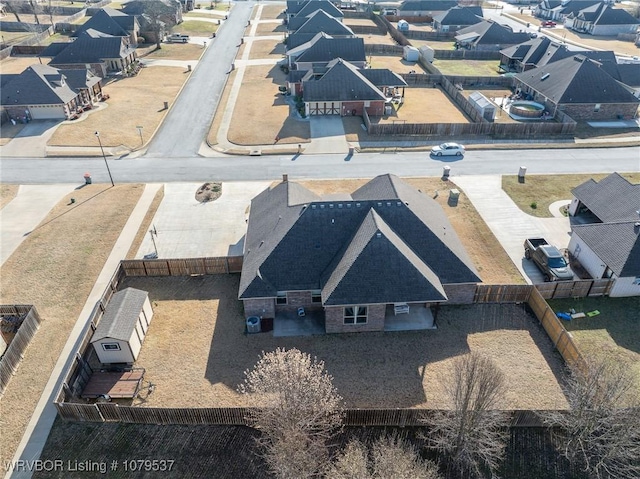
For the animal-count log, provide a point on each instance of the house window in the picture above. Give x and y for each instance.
(316, 297)
(596, 108)
(355, 315)
(110, 346)
(281, 298)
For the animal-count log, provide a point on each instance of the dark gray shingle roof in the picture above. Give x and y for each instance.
(613, 16)
(613, 198)
(427, 5)
(121, 315)
(325, 49)
(38, 85)
(459, 16)
(341, 82)
(616, 244)
(490, 32)
(108, 20)
(320, 21)
(92, 48)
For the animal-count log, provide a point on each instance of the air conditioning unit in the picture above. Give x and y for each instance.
(253, 324)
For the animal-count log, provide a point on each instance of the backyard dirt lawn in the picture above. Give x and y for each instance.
(366, 22)
(271, 28)
(395, 64)
(200, 321)
(377, 39)
(55, 269)
(261, 105)
(546, 189)
(467, 67)
(485, 251)
(7, 193)
(19, 64)
(424, 105)
(273, 49)
(136, 101)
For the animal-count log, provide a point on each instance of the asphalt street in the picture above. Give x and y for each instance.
(360, 165)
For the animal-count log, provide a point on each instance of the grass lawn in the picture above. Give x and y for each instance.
(196, 28)
(267, 49)
(440, 110)
(271, 29)
(19, 64)
(200, 320)
(171, 51)
(615, 332)
(213, 14)
(546, 189)
(270, 12)
(394, 63)
(262, 106)
(7, 193)
(136, 101)
(467, 67)
(55, 269)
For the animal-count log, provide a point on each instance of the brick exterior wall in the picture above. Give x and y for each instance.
(608, 111)
(264, 307)
(295, 299)
(334, 320)
(375, 108)
(460, 293)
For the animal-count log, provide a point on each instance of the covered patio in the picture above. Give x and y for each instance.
(419, 317)
(288, 323)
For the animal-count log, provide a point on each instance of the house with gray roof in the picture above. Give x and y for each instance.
(605, 237)
(296, 19)
(317, 22)
(42, 92)
(355, 261)
(456, 18)
(112, 22)
(558, 10)
(488, 36)
(425, 8)
(98, 52)
(602, 19)
(579, 87)
(120, 333)
(323, 48)
(341, 88)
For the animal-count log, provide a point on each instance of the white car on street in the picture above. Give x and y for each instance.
(448, 149)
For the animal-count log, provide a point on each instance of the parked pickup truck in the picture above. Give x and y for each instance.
(548, 259)
(177, 38)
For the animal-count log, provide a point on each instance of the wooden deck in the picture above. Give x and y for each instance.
(123, 384)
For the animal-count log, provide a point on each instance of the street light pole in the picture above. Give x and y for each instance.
(104, 157)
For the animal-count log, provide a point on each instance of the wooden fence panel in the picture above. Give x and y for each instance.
(600, 287)
(502, 293)
(79, 412)
(133, 267)
(157, 267)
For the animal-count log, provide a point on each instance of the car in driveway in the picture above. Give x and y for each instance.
(448, 149)
(548, 24)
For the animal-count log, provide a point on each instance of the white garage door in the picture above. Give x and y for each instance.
(324, 108)
(47, 112)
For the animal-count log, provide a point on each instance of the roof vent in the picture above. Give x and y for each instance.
(378, 235)
(313, 207)
(339, 205)
(357, 205)
(544, 77)
(330, 205)
(348, 205)
(321, 206)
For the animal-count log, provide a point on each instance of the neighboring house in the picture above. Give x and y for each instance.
(580, 88)
(112, 22)
(98, 52)
(42, 92)
(168, 12)
(602, 20)
(425, 8)
(558, 10)
(488, 36)
(355, 259)
(456, 18)
(318, 22)
(342, 89)
(541, 51)
(119, 335)
(609, 246)
(323, 48)
(297, 19)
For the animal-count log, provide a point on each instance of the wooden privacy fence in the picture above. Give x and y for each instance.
(182, 267)
(15, 351)
(381, 49)
(110, 412)
(502, 293)
(575, 289)
(555, 330)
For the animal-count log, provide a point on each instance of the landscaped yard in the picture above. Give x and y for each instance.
(136, 101)
(615, 332)
(424, 105)
(546, 189)
(196, 346)
(467, 67)
(55, 269)
(260, 104)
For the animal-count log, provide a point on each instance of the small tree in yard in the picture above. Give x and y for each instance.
(299, 410)
(389, 458)
(600, 434)
(471, 437)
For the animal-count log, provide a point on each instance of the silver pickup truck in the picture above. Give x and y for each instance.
(177, 38)
(548, 259)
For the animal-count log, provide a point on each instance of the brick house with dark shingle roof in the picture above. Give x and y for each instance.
(298, 18)
(456, 18)
(318, 22)
(609, 245)
(112, 22)
(351, 257)
(488, 36)
(603, 20)
(579, 87)
(324, 48)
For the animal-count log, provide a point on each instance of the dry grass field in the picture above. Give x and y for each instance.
(266, 49)
(196, 351)
(271, 28)
(366, 22)
(260, 104)
(425, 105)
(435, 44)
(467, 67)
(7, 193)
(270, 12)
(395, 64)
(146, 224)
(19, 64)
(55, 269)
(136, 101)
(171, 51)
(377, 39)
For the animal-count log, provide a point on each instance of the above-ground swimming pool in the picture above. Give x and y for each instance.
(526, 109)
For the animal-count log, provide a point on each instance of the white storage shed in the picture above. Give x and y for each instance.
(403, 26)
(411, 54)
(483, 105)
(123, 327)
(427, 53)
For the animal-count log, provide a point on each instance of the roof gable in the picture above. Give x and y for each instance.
(613, 198)
(341, 82)
(427, 5)
(321, 21)
(326, 49)
(313, 5)
(615, 16)
(38, 85)
(104, 20)
(91, 47)
(616, 244)
(458, 16)
(121, 315)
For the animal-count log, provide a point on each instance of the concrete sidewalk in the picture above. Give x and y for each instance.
(37, 431)
(25, 212)
(510, 225)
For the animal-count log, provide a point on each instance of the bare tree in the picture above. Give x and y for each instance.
(299, 410)
(12, 8)
(600, 433)
(389, 458)
(35, 8)
(473, 435)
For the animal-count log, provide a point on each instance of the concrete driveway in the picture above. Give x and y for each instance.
(327, 135)
(510, 225)
(32, 140)
(190, 229)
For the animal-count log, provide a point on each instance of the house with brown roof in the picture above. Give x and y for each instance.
(605, 239)
(356, 261)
